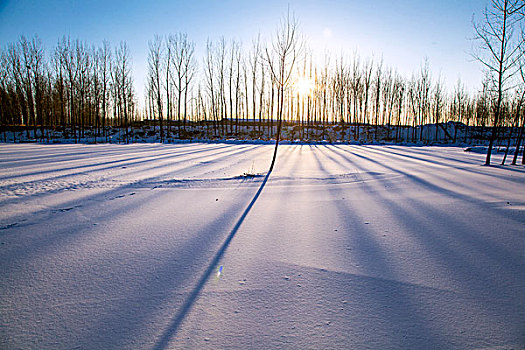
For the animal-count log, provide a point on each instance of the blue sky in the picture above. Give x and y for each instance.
(403, 32)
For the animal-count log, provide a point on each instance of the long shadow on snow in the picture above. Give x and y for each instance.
(415, 179)
(285, 154)
(86, 202)
(43, 241)
(451, 243)
(167, 284)
(171, 331)
(414, 159)
(144, 182)
(428, 152)
(74, 153)
(421, 150)
(110, 164)
(474, 184)
(144, 299)
(290, 161)
(401, 314)
(468, 239)
(388, 156)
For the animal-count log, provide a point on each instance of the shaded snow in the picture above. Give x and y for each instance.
(118, 247)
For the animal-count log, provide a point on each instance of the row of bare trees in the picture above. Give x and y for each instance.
(356, 92)
(171, 70)
(80, 86)
(75, 87)
(251, 93)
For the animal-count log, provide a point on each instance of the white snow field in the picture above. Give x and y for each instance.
(150, 246)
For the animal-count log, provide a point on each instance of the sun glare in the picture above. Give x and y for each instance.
(304, 86)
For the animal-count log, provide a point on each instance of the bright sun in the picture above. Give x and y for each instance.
(304, 86)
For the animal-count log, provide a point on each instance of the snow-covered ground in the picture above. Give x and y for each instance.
(150, 246)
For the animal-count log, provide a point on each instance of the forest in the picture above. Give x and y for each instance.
(235, 92)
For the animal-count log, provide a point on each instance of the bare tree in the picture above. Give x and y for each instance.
(356, 88)
(387, 97)
(209, 73)
(26, 66)
(261, 94)
(399, 89)
(323, 85)
(5, 109)
(378, 81)
(231, 74)
(438, 102)
(516, 110)
(238, 88)
(459, 106)
(254, 62)
(499, 51)
(59, 87)
(246, 89)
(96, 87)
(423, 85)
(155, 76)
(221, 80)
(367, 84)
(184, 65)
(412, 97)
(340, 87)
(70, 67)
(38, 72)
(83, 64)
(281, 58)
(167, 84)
(123, 87)
(190, 68)
(104, 72)
(521, 131)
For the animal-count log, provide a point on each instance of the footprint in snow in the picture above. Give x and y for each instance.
(63, 210)
(8, 226)
(123, 195)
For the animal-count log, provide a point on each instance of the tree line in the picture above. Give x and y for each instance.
(74, 87)
(237, 92)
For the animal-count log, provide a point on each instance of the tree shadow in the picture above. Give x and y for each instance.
(394, 300)
(50, 155)
(418, 180)
(177, 320)
(143, 169)
(412, 212)
(429, 157)
(475, 266)
(113, 164)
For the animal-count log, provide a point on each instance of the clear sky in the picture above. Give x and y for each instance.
(403, 32)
